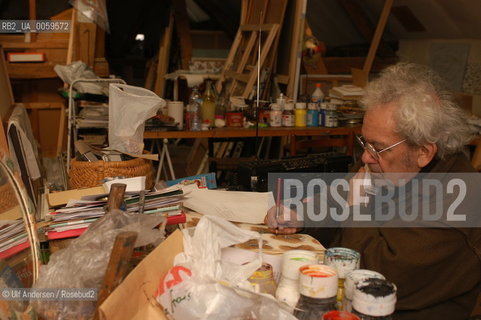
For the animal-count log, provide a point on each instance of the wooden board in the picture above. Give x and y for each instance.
(164, 54)
(6, 95)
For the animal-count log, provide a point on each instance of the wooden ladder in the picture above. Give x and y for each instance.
(240, 72)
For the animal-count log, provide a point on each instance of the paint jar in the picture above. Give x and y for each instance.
(288, 115)
(322, 114)
(234, 119)
(344, 260)
(352, 278)
(339, 315)
(301, 114)
(312, 115)
(263, 279)
(374, 299)
(318, 287)
(275, 116)
(292, 260)
(331, 117)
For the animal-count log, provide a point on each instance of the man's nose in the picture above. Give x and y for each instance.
(368, 158)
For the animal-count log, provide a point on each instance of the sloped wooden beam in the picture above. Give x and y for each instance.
(362, 23)
(183, 32)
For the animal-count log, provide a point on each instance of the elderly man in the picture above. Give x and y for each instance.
(412, 127)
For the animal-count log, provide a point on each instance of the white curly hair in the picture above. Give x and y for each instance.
(427, 112)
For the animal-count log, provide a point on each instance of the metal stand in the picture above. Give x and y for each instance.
(164, 154)
(72, 112)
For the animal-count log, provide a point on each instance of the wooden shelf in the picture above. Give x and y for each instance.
(251, 132)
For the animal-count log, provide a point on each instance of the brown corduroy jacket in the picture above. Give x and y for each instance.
(437, 270)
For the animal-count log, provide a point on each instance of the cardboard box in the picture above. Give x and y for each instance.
(133, 298)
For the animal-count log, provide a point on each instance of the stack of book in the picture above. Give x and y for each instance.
(13, 238)
(74, 218)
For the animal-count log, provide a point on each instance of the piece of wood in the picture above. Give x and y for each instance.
(360, 77)
(118, 267)
(163, 61)
(86, 42)
(296, 49)
(183, 32)
(116, 196)
(6, 94)
(32, 15)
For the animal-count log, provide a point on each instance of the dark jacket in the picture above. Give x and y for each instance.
(437, 270)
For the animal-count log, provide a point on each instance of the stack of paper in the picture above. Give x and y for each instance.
(347, 92)
(13, 238)
(73, 219)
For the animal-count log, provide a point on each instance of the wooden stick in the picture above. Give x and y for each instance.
(116, 196)
(377, 36)
(118, 267)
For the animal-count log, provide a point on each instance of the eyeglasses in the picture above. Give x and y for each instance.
(372, 151)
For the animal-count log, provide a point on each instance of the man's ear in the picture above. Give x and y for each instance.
(426, 153)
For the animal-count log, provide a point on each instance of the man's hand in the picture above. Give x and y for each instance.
(357, 188)
(280, 223)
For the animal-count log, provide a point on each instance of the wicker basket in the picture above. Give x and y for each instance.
(84, 174)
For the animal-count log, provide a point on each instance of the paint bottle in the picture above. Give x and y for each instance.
(344, 260)
(312, 115)
(263, 279)
(317, 96)
(275, 116)
(288, 115)
(339, 315)
(292, 260)
(374, 299)
(322, 114)
(331, 118)
(301, 114)
(352, 278)
(208, 104)
(318, 287)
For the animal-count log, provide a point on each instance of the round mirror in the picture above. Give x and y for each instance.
(19, 245)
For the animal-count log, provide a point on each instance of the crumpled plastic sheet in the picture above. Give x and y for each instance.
(79, 70)
(84, 262)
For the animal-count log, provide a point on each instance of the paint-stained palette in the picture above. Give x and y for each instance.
(271, 243)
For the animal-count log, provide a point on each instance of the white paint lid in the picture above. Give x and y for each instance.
(353, 277)
(374, 305)
(292, 260)
(318, 281)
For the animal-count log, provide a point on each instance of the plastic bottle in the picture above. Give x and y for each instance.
(318, 287)
(312, 115)
(275, 116)
(208, 104)
(193, 109)
(317, 96)
(301, 114)
(281, 101)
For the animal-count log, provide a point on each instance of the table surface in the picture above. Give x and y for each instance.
(231, 132)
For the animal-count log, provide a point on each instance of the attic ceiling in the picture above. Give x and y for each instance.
(439, 19)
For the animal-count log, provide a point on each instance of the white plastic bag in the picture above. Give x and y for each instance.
(129, 107)
(202, 286)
